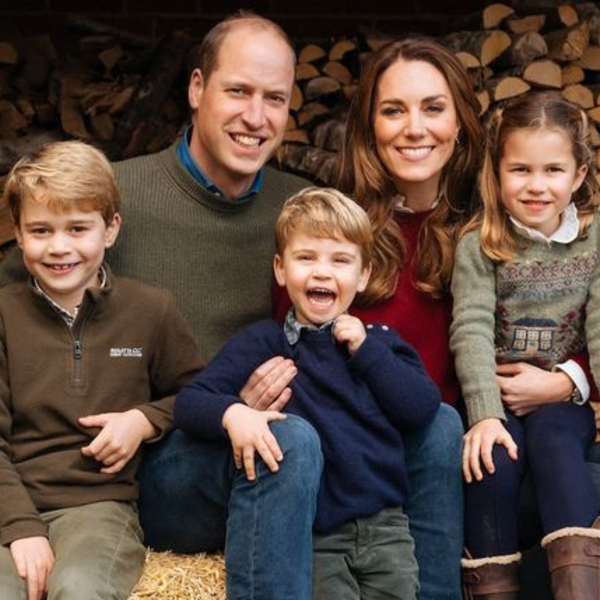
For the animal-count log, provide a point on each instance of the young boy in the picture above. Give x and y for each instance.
(89, 365)
(359, 387)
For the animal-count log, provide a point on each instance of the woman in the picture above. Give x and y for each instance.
(410, 159)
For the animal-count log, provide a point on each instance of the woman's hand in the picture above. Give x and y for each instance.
(478, 445)
(525, 388)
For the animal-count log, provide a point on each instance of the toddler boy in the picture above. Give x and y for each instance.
(89, 365)
(359, 387)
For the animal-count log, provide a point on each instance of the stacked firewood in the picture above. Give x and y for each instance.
(121, 91)
(126, 93)
(505, 54)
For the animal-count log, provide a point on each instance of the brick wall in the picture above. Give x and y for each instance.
(303, 19)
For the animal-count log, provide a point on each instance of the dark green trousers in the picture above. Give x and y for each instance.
(367, 559)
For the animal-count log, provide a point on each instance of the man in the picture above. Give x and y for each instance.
(199, 219)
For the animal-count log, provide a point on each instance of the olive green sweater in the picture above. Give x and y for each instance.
(128, 348)
(215, 255)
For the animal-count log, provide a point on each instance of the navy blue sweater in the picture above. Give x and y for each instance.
(359, 406)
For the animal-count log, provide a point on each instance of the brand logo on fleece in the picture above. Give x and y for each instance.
(126, 353)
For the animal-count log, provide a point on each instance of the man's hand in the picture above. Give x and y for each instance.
(478, 445)
(249, 432)
(349, 330)
(525, 388)
(34, 560)
(268, 387)
(121, 436)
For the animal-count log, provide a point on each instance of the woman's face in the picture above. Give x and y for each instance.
(415, 125)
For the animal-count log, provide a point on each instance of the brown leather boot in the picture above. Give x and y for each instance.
(574, 562)
(491, 578)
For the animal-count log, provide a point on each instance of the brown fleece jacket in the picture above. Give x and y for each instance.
(129, 348)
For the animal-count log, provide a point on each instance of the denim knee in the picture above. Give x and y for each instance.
(440, 443)
(301, 447)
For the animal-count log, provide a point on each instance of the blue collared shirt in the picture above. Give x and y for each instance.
(293, 328)
(189, 162)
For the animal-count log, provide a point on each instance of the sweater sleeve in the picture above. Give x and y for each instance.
(18, 515)
(397, 378)
(472, 330)
(592, 323)
(201, 404)
(175, 361)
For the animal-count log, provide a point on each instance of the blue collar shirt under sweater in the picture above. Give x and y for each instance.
(359, 406)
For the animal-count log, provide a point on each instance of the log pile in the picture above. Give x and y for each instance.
(121, 91)
(127, 93)
(505, 53)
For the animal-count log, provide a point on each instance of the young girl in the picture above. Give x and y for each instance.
(523, 287)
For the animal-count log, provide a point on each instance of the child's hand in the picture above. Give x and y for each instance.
(249, 432)
(349, 330)
(34, 560)
(478, 444)
(121, 436)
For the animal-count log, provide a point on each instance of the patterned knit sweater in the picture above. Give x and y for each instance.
(532, 309)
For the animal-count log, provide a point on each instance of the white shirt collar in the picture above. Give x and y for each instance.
(399, 201)
(567, 231)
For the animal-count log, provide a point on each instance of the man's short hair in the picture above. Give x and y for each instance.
(325, 213)
(206, 57)
(64, 175)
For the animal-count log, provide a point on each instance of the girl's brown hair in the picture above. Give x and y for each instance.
(362, 174)
(532, 111)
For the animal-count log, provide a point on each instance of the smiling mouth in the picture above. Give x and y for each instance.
(536, 202)
(416, 153)
(321, 296)
(61, 268)
(246, 141)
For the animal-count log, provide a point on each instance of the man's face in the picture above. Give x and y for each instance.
(241, 112)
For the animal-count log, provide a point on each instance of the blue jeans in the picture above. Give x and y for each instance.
(435, 504)
(193, 499)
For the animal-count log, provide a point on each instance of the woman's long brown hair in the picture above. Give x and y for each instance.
(362, 174)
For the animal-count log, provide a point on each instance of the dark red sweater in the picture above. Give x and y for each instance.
(420, 319)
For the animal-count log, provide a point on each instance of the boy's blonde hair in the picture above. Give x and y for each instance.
(325, 213)
(64, 175)
(532, 111)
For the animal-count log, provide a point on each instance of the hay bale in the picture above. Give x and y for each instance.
(169, 576)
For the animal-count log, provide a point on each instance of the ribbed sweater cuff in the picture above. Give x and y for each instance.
(485, 406)
(23, 529)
